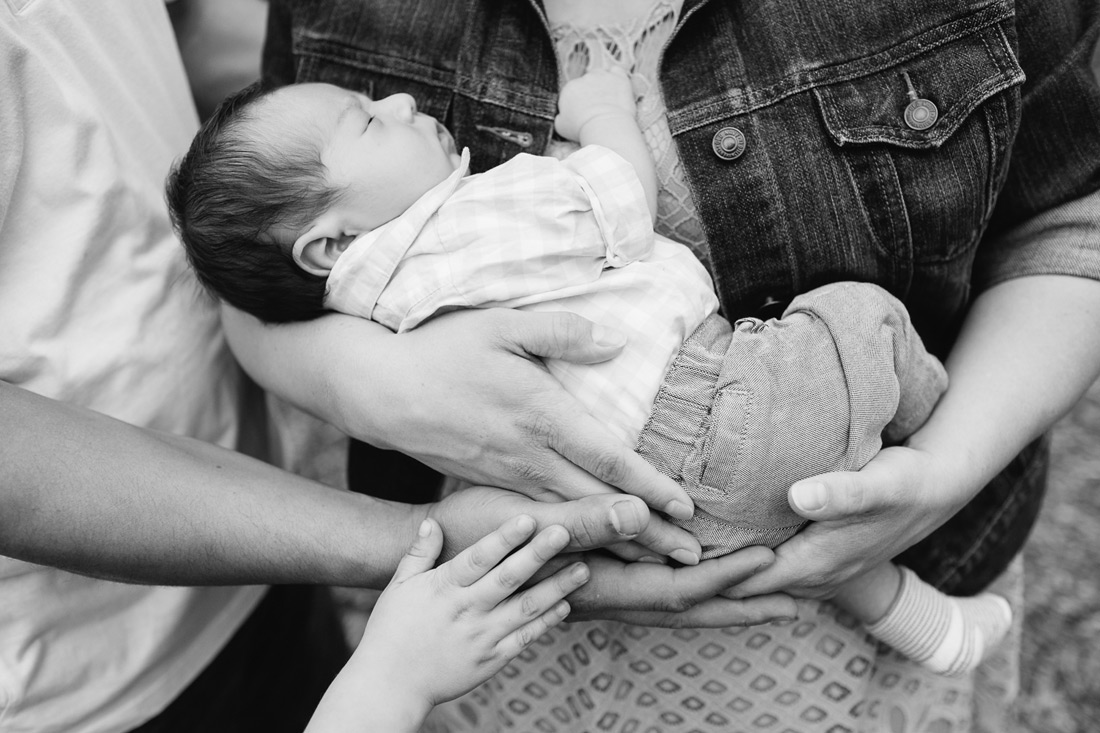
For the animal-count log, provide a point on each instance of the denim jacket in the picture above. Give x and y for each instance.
(895, 142)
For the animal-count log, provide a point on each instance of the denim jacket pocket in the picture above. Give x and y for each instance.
(925, 123)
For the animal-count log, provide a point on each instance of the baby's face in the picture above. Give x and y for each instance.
(382, 153)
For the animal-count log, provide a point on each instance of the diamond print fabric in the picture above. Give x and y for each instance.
(818, 674)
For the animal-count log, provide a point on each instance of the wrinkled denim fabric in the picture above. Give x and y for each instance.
(747, 410)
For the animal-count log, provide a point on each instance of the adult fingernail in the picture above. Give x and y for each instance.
(604, 336)
(650, 559)
(685, 557)
(679, 509)
(809, 497)
(626, 519)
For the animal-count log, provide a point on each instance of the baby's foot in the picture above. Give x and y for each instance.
(950, 636)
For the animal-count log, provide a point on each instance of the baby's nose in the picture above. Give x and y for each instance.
(404, 106)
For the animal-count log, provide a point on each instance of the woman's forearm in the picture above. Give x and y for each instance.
(96, 496)
(304, 363)
(1030, 347)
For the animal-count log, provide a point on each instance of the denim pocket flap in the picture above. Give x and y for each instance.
(955, 77)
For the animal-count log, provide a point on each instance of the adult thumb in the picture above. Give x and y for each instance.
(422, 554)
(568, 337)
(596, 521)
(832, 496)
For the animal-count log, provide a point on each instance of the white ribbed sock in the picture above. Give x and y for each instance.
(948, 635)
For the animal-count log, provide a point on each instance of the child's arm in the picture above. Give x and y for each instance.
(598, 109)
(436, 634)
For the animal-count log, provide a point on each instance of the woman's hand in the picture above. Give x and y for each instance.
(648, 594)
(1004, 392)
(643, 593)
(467, 393)
(858, 520)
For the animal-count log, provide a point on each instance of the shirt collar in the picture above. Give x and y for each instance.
(364, 269)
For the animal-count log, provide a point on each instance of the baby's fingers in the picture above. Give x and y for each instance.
(422, 554)
(475, 561)
(506, 578)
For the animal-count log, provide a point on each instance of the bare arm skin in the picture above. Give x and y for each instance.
(96, 496)
(599, 109)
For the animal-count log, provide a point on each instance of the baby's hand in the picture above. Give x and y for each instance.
(436, 634)
(596, 94)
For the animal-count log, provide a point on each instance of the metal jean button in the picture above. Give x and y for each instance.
(920, 113)
(728, 143)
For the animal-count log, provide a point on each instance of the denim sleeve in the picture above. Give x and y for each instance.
(1047, 217)
(1062, 241)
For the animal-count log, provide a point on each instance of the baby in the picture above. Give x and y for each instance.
(310, 198)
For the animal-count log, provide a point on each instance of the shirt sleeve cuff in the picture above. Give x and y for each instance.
(1062, 241)
(618, 202)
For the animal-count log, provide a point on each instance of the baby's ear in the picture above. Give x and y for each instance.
(317, 250)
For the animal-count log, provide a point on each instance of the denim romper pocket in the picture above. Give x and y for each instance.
(720, 450)
(758, 436)
(953, 149)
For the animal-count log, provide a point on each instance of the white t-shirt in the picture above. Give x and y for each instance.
(98, 309)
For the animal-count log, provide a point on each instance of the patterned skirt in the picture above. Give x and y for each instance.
(820, 672)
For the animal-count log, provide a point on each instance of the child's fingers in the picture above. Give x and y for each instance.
(475, 561)
(505, 579)
(522, 637)
(533, 602)
(423, 552)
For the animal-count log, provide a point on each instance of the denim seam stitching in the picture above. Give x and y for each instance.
(709, 110)
(749, 403)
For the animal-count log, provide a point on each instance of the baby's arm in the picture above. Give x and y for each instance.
(436, 634)
(598, 109)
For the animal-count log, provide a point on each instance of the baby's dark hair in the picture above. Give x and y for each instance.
(225, 197)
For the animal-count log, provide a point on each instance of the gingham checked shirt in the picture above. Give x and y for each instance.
(540, 234)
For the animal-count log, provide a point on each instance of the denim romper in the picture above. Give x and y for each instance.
(747, 410)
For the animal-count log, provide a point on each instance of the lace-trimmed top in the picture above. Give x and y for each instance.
(635, 44)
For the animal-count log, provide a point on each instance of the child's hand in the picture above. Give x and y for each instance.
(436, 634)
(596, 94)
